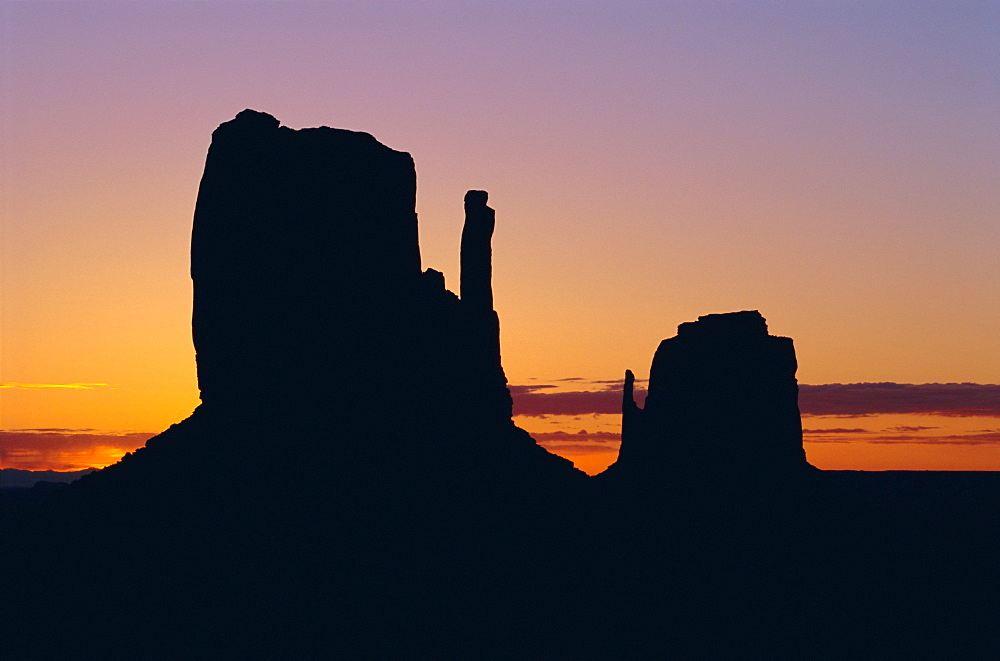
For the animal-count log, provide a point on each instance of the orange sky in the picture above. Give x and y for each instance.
(831, 165)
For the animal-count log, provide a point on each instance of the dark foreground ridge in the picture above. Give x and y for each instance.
(417, 520)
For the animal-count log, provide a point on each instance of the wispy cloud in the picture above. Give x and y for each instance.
(972, 438)
(66, 386)
(836, 430)
(951, 439)
(62, 430)
(517, 391)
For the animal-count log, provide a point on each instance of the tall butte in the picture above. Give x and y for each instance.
(310, 305)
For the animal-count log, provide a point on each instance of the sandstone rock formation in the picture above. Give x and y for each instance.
(477, 258)
(309, 297)
(722, 403)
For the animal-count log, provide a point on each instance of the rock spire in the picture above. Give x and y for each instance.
(477, 270)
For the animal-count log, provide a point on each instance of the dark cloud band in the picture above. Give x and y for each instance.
(836, 399)
(861, 399)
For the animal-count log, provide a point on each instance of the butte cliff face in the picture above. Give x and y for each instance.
(304, 249)
(722, 403)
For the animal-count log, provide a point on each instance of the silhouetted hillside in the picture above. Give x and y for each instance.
(413, 519)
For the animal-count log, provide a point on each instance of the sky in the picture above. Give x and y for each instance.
(833, 165)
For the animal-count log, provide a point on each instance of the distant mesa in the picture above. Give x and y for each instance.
(15, 478)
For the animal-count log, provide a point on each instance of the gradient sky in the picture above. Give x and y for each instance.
(831, 164)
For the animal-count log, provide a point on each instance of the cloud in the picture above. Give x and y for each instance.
(582, 442)
(531, 403)
(53, 429)
(837, 430)
(616, 382)
(990, 438)
(66, 450)
(980, 438)
(908, 428)
(865, 399)
(42, 386)
(518, 391)
(583, 434)
(851, 400)
(579, 448)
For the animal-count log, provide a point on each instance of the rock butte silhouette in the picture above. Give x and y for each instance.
(353, 484)
(722, 363)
